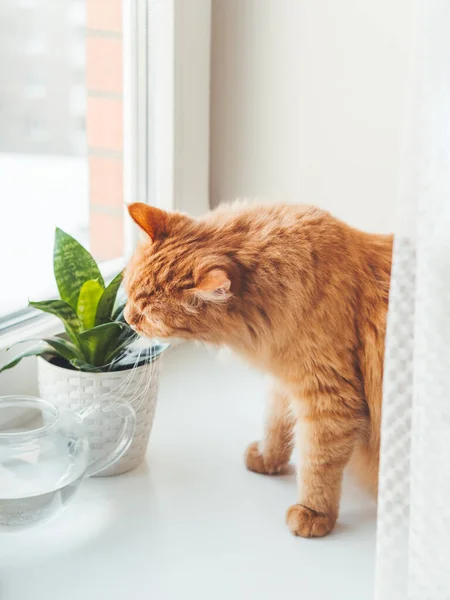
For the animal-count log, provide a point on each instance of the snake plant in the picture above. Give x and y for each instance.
(96, 334)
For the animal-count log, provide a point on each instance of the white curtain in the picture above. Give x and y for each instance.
(413, 539)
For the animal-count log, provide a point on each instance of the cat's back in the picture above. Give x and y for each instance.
(263, 214)
(266, 228)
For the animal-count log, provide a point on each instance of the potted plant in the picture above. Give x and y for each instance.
(95, 362)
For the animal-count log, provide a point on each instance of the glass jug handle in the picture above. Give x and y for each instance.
(124, 440)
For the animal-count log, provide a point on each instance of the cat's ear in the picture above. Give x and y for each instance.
(150, 219)
(214, 286)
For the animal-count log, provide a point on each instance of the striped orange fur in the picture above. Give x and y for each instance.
(303, 297)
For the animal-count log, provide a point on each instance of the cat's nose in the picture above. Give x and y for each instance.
(131, 316)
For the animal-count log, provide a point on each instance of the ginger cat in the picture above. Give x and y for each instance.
(303, 297)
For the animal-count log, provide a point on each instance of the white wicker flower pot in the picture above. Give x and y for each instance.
(74, 390)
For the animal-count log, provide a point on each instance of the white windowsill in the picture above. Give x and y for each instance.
(191, 522)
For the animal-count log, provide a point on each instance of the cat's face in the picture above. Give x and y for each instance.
(178, 285)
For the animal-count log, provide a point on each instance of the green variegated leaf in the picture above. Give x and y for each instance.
(118, 314)
(36, 351)
(120, 347)
(80, 365)
(64, 312)
(143, 355)
(106, 303)
(73, 266)
(88, 300)
(100, 342)
(63, 347)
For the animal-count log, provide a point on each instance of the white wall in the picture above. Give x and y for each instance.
(307, 103)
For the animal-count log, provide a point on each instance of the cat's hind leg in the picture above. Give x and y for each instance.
(272, 454)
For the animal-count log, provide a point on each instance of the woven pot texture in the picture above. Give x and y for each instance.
(75, 390)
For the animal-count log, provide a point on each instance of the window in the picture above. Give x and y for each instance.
(37, 129)
(76, 12)
(62, 142)
(35, 45)
(35, 91)
(78, 98)
(77, 52)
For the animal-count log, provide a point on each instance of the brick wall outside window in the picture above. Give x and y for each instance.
(104, 124)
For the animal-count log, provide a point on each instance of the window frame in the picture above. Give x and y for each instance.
(166, 95)
(17, 325)
(179, 57)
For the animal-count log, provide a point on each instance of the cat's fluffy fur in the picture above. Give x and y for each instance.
(303, 297)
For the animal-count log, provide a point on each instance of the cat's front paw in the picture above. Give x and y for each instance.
(256, 462)
(306, 522)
